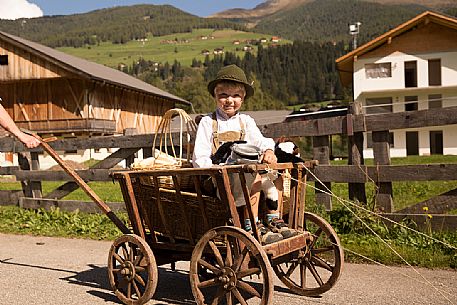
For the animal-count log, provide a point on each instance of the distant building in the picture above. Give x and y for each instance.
(263, 40)
(218, 51)
(275, 39)
(205, 52)
(247, 48)
(412, 67)
(236, 42)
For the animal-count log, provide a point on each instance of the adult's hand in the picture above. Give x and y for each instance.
(28, 140)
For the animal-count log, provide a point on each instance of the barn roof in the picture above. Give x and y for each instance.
(345, 63)
(87, 69)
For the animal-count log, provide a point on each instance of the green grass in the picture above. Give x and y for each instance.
(428, 254)
(15, 220)
(187, 47)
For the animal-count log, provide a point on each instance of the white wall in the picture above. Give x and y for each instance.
(397, 81)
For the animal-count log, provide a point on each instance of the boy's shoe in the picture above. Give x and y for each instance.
(267, 236)
(279, 226)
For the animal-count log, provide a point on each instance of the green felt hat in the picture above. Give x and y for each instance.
(231, 73)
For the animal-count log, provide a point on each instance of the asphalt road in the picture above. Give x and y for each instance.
(43, 270)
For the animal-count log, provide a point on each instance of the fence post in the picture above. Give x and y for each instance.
(382, 157)
(130, 159)
(321, 152)
(355, 152)
(29, 161)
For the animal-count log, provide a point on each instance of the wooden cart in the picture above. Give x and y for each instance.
(227, 264)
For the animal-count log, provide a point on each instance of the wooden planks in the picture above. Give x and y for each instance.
(361, 122)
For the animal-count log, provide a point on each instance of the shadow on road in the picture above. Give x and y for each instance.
(173, 286)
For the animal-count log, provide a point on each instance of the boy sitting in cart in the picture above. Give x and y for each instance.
(230, 88)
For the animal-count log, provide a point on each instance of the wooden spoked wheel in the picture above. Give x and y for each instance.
(236, 269)
(132, 270)
(315, 268)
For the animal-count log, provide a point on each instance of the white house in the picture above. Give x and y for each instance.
(412, 67)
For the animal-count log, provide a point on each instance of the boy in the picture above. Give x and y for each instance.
(230, 88)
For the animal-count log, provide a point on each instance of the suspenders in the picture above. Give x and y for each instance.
(226, 136)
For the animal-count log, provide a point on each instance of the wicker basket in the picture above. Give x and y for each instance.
(163, 137)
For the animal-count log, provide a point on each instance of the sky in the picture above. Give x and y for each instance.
(14, 9)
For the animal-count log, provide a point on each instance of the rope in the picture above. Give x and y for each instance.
(377, 235)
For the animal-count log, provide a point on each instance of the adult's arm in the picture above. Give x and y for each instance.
(7, 122)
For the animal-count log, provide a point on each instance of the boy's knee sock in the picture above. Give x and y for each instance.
(272, 216)
(248, 225)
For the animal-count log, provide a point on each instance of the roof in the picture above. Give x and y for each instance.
(261, 117)
(345, 63)
(87, 69)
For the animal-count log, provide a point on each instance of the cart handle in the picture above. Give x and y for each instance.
(67, 168)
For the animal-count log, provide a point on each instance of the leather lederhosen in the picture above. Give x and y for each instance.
(221, 137)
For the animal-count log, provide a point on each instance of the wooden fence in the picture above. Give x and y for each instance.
(355, 174)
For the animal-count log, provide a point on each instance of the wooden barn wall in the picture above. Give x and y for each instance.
(427, 38)
(38, 100)
(23, 65)
(129, 109)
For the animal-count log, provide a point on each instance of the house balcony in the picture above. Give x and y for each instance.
(66, 126)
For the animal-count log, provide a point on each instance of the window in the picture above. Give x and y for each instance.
(434, 72)
(378, 105)
(435, 101)
(411, 103)
(370, 140)
(3, 60)
(410, 74)
(380, 70)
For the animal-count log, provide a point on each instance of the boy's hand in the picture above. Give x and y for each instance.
(269, 157)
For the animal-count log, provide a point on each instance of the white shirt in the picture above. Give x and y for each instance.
(204, 138)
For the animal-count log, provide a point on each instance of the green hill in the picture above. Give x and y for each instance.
(183, 47)
(118, 25)
(328, 20)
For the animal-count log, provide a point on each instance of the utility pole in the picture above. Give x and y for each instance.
(354, 31)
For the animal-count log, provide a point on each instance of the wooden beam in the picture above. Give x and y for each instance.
(68, 205)
(321, 152)
(355, 153)
(381, 152)
(107, 163)
(361, 123)
(385, 173)
(51, 175)
(142, 140)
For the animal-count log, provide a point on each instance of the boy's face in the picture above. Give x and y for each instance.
(229, 98)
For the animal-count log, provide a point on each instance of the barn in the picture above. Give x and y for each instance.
(53, 93)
